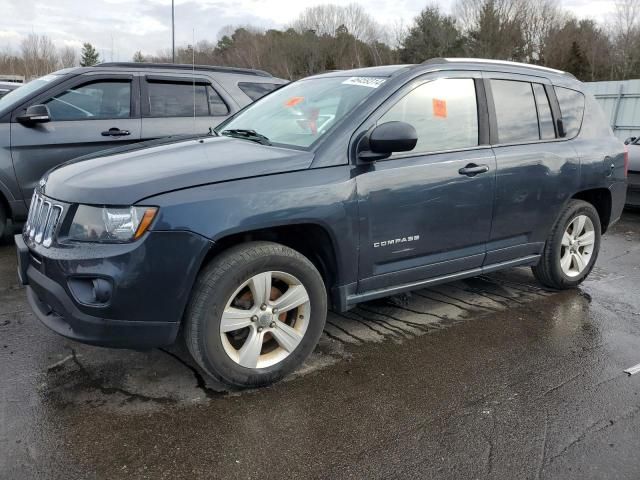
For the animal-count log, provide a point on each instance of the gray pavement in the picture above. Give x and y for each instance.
(491, 377)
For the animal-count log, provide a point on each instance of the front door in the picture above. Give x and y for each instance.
(87, 114)
(427, 213)
(174, 105)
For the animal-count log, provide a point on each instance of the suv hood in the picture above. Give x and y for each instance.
(127, 175)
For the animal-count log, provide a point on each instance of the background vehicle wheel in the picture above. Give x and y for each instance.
(256, 313)
(572, 247)
(6, 227)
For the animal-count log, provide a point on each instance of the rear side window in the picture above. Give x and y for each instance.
(545, 119)
(515, 111)
(257, 90)
(571, 109)
(444, 113)
(167, 99)
(92, 101)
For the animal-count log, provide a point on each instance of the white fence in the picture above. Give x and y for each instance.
(621, 103)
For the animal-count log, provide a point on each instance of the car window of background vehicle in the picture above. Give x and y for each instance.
(92, 101)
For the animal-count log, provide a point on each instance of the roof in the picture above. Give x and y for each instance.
(185, 66)
(379, 71)
(504, 63)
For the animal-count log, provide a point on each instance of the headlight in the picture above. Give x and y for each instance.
(107, 224)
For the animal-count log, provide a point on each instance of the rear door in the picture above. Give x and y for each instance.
(537, 171)
(421, 215)
(88, 113)
(181, 105)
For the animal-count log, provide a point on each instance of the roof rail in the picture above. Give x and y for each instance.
(186, 66)
(486, 61)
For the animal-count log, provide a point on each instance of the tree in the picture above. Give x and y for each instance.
(495, 28)
(39, 55)
(138, 57)
(89, 55)
(433, 34)
(625, 35)
(68, 57)
(581, 48)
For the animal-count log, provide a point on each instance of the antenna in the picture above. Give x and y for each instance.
(193, 75)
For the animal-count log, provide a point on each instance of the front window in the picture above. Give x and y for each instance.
(92, 101)
(301, 113)
(16, 96)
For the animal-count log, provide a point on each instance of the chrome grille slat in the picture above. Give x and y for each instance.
(43, 220)
(42, 223)
(52, 224)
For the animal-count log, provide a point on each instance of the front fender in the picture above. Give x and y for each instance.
(324, 197)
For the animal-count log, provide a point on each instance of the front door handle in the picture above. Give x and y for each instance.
(472, 170)
(116, 132)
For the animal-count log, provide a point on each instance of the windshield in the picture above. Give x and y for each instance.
(17, 95)
(301, 113)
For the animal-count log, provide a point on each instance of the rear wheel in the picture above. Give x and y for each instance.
(256, 313)
(572, 247)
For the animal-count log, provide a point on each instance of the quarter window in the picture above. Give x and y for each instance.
(571, 109)
(92, 101)
(545, 119)
(515, 111)
(444, 113)
(168, 99)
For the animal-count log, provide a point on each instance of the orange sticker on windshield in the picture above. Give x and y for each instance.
(439, 108)
(293, 101)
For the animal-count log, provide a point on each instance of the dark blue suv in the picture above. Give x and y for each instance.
(334, 190)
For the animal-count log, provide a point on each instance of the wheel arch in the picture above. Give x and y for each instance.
(601, 200)
(313, 240)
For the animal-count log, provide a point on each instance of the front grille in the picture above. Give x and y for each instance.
(43, 220)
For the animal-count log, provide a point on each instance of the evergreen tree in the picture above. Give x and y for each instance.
(89, 55)
(433, 34)
(138, 57)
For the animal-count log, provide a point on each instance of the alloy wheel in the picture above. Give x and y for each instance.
(577, 246)
(265, 319)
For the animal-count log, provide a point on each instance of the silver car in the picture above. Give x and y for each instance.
(633, 186)
(77, 111)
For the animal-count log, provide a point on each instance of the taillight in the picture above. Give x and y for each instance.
(626, 160)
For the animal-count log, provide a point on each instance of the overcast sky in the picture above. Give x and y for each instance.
(120, 27)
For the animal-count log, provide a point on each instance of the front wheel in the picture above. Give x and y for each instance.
(572, 247)
(256, 313)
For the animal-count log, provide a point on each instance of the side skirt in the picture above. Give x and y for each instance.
(347, 298)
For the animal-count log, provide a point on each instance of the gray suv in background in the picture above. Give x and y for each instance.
(77, 111)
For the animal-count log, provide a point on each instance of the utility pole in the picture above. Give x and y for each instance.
(173, 33)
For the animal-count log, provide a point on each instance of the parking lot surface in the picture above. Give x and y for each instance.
(491, 377)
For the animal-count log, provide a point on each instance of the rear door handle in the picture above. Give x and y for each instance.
(115, 132)
(472, 170)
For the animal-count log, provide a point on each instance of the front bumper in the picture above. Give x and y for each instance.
(150, 282)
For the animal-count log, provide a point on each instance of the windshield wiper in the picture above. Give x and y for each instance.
(247, 134)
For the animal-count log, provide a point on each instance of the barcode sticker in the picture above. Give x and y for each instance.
(371, 82)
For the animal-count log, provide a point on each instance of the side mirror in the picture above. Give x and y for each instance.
(35, 114)
(389, 138)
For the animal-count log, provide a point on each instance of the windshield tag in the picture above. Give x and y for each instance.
(371, 82)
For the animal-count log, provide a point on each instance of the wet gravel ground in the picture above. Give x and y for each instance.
(491, 377)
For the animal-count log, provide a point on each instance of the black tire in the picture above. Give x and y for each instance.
(6, 227)
(213, 289)
(549, 272)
